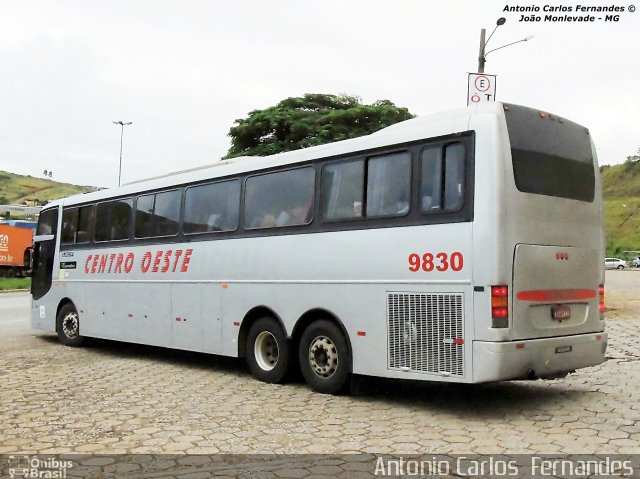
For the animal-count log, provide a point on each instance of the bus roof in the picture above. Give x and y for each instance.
(433, 125)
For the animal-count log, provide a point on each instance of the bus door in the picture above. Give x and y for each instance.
(44, 250)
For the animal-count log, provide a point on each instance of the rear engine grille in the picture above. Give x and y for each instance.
(425, 332)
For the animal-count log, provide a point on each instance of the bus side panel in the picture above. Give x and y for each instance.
(157, 308)
(331, 271)
(490, 263)
(139, 315)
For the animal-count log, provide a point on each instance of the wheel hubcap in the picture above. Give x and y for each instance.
(323, 357)
(70, 325)
(265, 350)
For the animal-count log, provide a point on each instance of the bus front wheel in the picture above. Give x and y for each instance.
(68, 326)
(268, 351)
(325, 360)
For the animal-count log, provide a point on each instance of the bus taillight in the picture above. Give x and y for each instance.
(500, 306)
(601, 296)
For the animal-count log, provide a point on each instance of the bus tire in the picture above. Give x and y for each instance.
(268, 351)
(325, 359)
(68, 326)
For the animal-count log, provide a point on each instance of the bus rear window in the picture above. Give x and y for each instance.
(551, 156)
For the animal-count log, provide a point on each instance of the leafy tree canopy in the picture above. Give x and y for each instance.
(313, 119)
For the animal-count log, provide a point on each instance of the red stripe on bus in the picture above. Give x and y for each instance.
(556, 295)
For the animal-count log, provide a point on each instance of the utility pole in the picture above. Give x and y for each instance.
(481, 56)
(122, 125)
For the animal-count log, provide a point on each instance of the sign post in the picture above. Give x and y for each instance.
(481, 87)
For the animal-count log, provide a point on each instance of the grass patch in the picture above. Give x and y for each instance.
(14, 283)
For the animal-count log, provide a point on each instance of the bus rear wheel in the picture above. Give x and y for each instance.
(325, 359)
(268, 354)
(68, 326)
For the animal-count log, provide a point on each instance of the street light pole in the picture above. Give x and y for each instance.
(122, 125)
(482, 56)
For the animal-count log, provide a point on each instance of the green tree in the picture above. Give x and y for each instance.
(313, 119)
(633, 158)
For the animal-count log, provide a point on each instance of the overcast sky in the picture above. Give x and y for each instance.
(183, 71)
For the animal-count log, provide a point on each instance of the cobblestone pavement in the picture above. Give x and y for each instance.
(114, 398)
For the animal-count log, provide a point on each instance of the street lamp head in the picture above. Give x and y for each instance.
(500, 21)
(528, 37)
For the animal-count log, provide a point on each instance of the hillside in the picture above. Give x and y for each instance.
(621, 192)
(19, 189)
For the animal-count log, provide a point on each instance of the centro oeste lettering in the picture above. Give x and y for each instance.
(160, 261)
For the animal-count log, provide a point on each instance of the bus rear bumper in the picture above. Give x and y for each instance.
(537, 358)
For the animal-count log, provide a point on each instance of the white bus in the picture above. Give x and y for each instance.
(465, 246)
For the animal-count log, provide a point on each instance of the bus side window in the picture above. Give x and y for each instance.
(167, 213)
(121, 217)
(342, 190)
(431, 181)
(144, 216)
(454, 176)
(113, 219)
(69, 225)
(442, 181)
(389, 185)
(158, 214)
(212, 207)
(85, 221)
(284, 198)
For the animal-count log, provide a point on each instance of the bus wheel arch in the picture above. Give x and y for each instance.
(263, 342)
(323, 334)
(68, 324)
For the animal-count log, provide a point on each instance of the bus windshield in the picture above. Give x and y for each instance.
(551, 156)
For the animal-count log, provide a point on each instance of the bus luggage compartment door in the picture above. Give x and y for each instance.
(555, 291)
(195, 317)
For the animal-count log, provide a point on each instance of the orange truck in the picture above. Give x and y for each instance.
(16, 246)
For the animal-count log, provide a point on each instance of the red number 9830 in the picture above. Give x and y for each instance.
(440, 262)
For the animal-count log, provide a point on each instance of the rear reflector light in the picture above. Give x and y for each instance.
(500, 306)
(601, 299)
